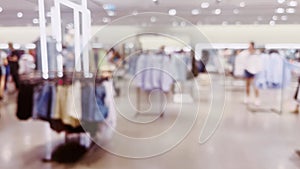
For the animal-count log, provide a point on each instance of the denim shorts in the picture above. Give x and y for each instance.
(249, 75)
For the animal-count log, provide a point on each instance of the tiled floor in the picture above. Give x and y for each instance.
(243, 140)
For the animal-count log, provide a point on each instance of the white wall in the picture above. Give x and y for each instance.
(261, 34)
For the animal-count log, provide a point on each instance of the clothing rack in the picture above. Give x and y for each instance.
(67, 79)
(146, 67)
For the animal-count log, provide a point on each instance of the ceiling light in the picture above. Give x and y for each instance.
(218, 11)
(293, 3)
(272, 23)
(155, 2)
(275, 17)
(279, 10)
(153, 19)
(280, 1)
(19, 14)
(16, 46)
(134, 12)
(30, 46)
(243, 4)
(204, 5)
(1, 9)
(172, 12)
(290, 10)
(109, 7)
(111, 13)
(284, 17)
(106, 20)
(35, 21)
(195, 12)
(236, 11)
(3, 46)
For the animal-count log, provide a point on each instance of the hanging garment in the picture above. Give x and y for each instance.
(166, 79)
(144, 70)
(44, 101)
(61, 108)
(93, 107)
(74, 107)
(179, 67)
(25, 102)
(276, 73)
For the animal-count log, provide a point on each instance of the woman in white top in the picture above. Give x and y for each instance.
(253, 65)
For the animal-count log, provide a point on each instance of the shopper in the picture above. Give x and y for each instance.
(3, 63)
(13, 59)
(253, 65)
(26, 63)
(115, 57)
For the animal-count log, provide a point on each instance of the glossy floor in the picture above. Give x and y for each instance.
(243, 140)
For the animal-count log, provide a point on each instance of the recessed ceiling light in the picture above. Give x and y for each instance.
(272, 23)
(284, 17)
(19, 14)
(153, 19)
(275, 17)
(279, 10)
(236, 11)
(106, 20)
(218, 11)
(293, 3)
(1, 9)
(243, 4)
(35, 21)
(290, 10)
(172, 12)
(204, 5)
(155, 1)
(195, 12)
(134, 12)
(111, 13)
(280, 1)
(109, 7)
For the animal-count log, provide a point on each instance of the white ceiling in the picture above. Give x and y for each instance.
(255, 11)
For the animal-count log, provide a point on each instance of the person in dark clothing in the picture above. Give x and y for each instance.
(13, 59)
